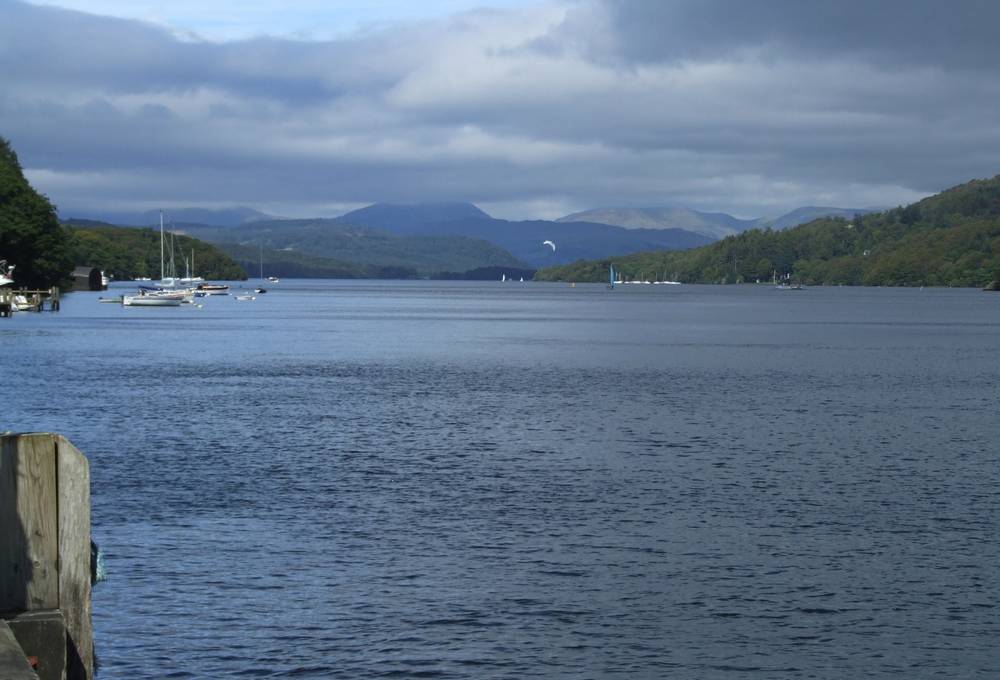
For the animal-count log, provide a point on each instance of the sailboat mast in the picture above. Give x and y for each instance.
(261, 261)
(161, 245)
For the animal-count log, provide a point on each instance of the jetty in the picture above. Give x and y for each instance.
(45, 559)
(27, 300)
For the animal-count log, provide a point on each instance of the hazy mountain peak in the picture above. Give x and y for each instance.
(713, 225)
(389, 215)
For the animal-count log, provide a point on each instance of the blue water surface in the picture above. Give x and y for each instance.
(484, 480)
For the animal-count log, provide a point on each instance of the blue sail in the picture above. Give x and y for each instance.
(611, 276)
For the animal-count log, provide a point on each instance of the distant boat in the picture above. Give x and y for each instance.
(213, 288)
(785, 284)
(189, 267)
(271, 279)
(150, 301)
(611, 276)
(23, 304)
(165, 281)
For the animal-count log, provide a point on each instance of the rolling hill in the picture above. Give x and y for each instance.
(523, 239)
(714, 225)
(950, 239)
(129, 253)
(355, 248)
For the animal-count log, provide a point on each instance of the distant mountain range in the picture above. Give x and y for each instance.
(523, 239)
(713, 225)
(327, 245)
(427, 239)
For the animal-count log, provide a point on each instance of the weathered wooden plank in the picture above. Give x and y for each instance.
(73, 472)
(13, 663)
(12, 550)
(29, 574)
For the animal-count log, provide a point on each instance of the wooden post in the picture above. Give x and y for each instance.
(73, 473)
(45, 554)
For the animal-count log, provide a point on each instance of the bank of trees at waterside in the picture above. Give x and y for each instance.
(130, 253)
(951, 239)
(31, 237)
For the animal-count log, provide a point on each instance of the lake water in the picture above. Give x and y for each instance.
(486, 480)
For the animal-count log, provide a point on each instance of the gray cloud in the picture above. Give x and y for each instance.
(747, 107)
(959, 34)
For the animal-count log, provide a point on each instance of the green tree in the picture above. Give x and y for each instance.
(31, 237)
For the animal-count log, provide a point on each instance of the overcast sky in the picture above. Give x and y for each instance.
(526, 108)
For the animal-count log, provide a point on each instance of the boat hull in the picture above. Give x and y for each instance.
(150, 301)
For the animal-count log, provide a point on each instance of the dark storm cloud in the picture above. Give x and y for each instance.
(750, 107)
(958, 34)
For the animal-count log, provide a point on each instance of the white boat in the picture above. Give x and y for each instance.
(165, 281)
(6, 273)
(274, 279)
(150, 301)
(182, 294)
(23, 304)
(189, 267)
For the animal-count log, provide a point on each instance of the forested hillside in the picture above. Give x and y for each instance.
(950, 239)
(129, 253)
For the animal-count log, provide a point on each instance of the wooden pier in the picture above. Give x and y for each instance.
(27, 300)
(45, 559)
